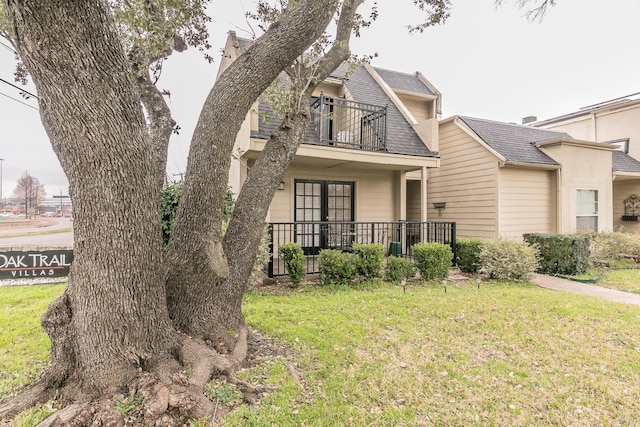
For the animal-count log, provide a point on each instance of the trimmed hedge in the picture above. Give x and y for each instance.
(507, 259)
(336, 267)
(561, 253)
(432, 259)
(369, 259)
(295, 262)
(614, 246)
(399, 268)
(468, 254)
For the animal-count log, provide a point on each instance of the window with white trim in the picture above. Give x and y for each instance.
(586, 210)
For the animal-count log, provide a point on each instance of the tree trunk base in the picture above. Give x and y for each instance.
(168, 394)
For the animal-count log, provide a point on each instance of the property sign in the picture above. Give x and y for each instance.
(30, 264)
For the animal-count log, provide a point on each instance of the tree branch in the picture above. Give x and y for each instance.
(161, 123)
(244, 232)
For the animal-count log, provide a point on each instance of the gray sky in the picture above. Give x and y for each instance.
(487, 62)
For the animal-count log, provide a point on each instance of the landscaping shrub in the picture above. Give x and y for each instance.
(168, 207)
(294, 261)
(399, 268)
(369, 259)
(605, 247)
(468, 254)
(560, 253)
(508, 259)
(169, 199)
(432, 259)
(336, 267)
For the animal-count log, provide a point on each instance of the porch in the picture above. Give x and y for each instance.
(397, 238)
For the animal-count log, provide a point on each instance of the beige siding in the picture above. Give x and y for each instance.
(413, 200)
(527, 201)
(583, 168)
(466, 181)
(622, 190)
(374, 192)
(420, 109)
(622, 121)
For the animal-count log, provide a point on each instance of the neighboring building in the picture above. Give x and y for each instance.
(373, 137)
(615, 122)
(500, 179)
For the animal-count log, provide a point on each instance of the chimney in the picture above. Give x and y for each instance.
(529, 119)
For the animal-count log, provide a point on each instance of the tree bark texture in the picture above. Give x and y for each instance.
(112, 318)
(161, 123)
(244, 232)
(197, 266)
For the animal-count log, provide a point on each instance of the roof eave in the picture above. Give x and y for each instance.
(469, 131)
(577, 143)
(531, 165)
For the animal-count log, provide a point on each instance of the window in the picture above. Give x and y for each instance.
(587, 210)
(324, 211)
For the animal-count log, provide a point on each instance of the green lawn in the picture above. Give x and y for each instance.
(504, 354)
(625, 277)
(23, 345)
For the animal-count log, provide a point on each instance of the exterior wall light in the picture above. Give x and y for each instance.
(281, 186)
(439, 206)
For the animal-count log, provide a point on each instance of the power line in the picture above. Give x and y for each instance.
(17, 100)
(19, 88)
(8, 47)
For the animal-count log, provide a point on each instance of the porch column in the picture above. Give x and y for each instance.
(401, 191)
(423, 194)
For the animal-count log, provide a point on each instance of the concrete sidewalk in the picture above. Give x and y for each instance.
(558, 284)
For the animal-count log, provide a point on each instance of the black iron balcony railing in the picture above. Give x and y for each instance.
(397, 238)
(343, 123)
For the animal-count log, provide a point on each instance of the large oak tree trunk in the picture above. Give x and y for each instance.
(197, 267)
(220, 317)
(112, 319)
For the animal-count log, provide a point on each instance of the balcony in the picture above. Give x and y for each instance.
(343, 123)
(397, 238)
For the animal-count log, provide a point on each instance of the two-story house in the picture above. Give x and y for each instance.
(615, 122)
(361, 172)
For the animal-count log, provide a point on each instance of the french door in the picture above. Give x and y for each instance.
(323, 213)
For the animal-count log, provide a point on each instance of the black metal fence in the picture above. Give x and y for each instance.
(397, 238)
(349, 124)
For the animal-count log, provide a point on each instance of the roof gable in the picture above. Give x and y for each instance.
(404, 82)
(401, 137)
(515, 143)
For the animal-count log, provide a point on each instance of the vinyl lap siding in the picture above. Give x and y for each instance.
(466, 181)
(374, 192)
(622, 190)
(527, 201)
(413, 200)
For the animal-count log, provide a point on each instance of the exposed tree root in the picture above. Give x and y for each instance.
(166, 394)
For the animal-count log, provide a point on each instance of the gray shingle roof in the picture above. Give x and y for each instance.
(404, 81)
(516, 143)
(401, 138)
(625, 163)
(244, 44)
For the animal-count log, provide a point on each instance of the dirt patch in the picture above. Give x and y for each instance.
(13, 223)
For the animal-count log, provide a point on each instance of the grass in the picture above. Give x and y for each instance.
(623, 276)
(504, 354)
(23, 345)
